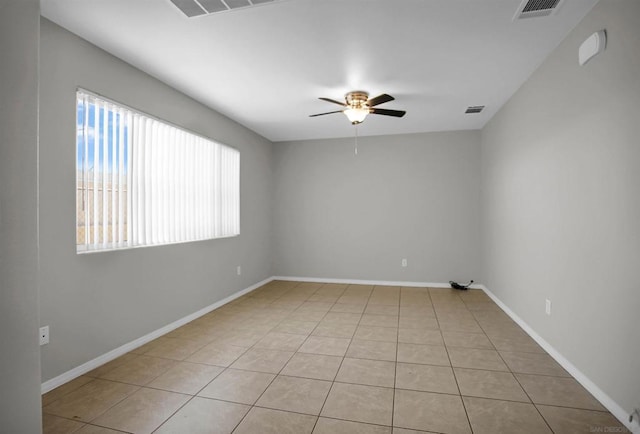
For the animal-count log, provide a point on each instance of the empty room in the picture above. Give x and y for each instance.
(320, 216)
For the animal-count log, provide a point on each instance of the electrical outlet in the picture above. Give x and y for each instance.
(239, 270)
(44, 335)
(404, 262)
(547, 306)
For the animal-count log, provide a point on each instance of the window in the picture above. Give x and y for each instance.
(143, 182)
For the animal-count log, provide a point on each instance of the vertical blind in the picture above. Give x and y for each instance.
(142, 182)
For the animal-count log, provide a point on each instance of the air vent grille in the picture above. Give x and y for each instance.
(194, 8)
(537, 8)
(474, 109)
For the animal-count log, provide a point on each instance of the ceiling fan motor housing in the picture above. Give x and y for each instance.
(357, 99)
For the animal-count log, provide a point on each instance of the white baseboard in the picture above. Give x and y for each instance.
(604, 399)
(117, 352)
(369, 282)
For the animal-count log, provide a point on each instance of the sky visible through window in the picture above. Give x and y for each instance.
(113, 119)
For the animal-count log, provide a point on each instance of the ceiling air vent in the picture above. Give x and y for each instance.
(194, 8)
(474, 109)
(537, 8)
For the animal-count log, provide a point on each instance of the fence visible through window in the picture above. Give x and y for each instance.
(141, 181)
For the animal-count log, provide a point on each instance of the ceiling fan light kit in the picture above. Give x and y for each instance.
(356, 115)
(357, 106)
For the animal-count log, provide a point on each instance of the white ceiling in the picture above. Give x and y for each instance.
(266, 66)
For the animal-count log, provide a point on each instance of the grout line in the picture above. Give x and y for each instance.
(333, 382)
(273, 379)
(520, 384)
(455, 378)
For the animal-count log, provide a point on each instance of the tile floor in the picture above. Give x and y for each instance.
(295, 357)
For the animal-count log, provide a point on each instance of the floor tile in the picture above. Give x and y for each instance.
(348, 308)
(359, 403)
(417, 310)
(139, 371)
(174, 348)
(575, 421)
(424, 354)
(418, 323)
(300, 395)
(426, 378)
(490, 384)
(430, 412)
(266, 421)
(490, 416)
(379, 320)
(109, 366)
(143, 411)
(280, 341)
(353, 299)
(457, 325)
(343, 317)
(466, 340)
(91, 400)
(419, 336)
(361, 349)
(380, 309)
(244, 338)
(306, 316)
(66, 388)
(94, 429)
(185, 377)
(261, 360)
(324, 298)
(563, 392)
(533, 363)
(516, 344)
(57, 425)
(205, 416)
(333, 330)
(326, 346)
(335, 426)
(382, 334)
(217, 353)
(476, 359)
(243, 387)
(397, 430)
(314, 366)
(367, 372)
(315, 306)
(296, 327)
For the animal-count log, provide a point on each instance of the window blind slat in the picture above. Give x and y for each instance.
(144, 182)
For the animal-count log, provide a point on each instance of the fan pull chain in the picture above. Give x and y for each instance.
(356, 148)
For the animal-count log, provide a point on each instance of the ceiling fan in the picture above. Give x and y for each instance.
(357, 106)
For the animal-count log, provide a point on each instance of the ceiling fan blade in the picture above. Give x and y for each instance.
(333, 101)
(380, 99)
(327, 113)
(387, 112)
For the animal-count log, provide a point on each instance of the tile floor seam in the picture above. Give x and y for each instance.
(172, 414)
(395, 368)
(106, 427)
(338, 370)
(275, 376)
(522, 387)
(464, 406)
(107, 409)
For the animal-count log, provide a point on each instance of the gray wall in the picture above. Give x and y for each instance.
(561, 202)
(20, 359)
(413, 196)
(97, 302)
